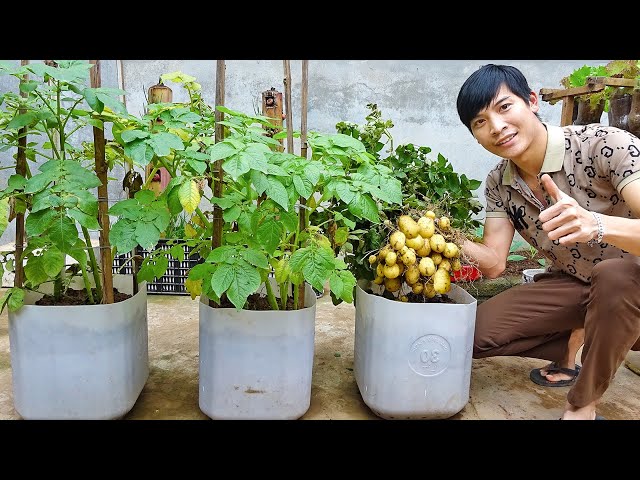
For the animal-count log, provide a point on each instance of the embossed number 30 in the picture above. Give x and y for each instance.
(432, 356)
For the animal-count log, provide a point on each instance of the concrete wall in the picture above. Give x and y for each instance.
(419, 96)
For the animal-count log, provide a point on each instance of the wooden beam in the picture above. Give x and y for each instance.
(21, 169)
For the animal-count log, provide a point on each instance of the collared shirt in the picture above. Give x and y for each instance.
(591, 163)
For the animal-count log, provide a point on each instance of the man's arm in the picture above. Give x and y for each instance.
(568, 222)
(491, 255)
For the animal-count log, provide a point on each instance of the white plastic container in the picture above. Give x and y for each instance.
(412, 360)
(81, 362)
(256, 365)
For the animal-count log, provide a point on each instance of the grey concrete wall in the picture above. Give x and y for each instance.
(419, 96)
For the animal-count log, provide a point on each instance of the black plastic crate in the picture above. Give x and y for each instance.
(172, 282)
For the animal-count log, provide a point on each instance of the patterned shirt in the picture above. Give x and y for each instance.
(591, 163)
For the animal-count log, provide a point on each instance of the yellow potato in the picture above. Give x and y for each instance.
(441, 281)
(378, 280)
(437, 243)
(444, 224)
(372, 259)
(391, 271)
(451, 250)
(436, 257)
(426, 266)
(425, 250)
(409, 258)
(397, 240)
(392, 284)
(380, 270)
(417, 287)
(430, 214)
(408, 226)
(427, 227)
(382, 254)
(412, 275)
(446, 264)
(391, 258)
(428, 290)
(416, 242)
(456, 265)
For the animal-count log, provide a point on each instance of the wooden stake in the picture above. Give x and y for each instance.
(21, 169)
(272, 108)
(289, 118)
(216, 237)
(103, 195)
(303, 153)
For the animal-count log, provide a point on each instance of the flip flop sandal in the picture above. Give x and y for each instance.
(538, 378)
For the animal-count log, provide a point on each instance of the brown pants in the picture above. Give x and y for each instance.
(535, 320)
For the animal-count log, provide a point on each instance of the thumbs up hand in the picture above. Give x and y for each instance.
(566, 220)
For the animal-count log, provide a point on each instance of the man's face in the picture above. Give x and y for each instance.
(507, 126)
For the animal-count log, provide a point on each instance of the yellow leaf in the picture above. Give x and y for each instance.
(194, 287)
(189, 196)
(189, 231)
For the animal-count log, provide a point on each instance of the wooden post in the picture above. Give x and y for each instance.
(21, 169)
(216, 237)
(103, 198)
(303, 153)
(289, 118)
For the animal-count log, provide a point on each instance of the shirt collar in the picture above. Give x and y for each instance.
(553, 157)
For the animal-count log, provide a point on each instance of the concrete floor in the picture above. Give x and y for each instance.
(500, 387)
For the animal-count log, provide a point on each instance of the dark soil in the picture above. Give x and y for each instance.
(256, 301)
(78, 297)
(515, 268)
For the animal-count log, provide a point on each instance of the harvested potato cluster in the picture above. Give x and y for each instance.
(420, 253)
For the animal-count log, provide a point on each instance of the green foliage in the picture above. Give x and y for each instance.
(417, 181)
(58, 194)
(56, 197)
(578, 78)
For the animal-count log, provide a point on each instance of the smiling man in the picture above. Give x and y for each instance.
(572, 193)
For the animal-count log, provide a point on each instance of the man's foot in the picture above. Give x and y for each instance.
(587, 412)
(554, 375)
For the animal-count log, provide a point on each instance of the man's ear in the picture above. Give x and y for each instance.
(533, 101)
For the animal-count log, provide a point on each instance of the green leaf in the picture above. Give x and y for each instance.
(131, 135)
(222, 150)
(278, 193)
(269, 234)
(63, 233)
(15, 299)
(222, 254)
(363, 206)
(38, 222)
(161, 265)
(52, 261)
(342, 283)
(4, 215)
(34, 270)
(23, 120)
(147, 235)
(237, 165)
(303, 185)
(122, 235)
(255, 258)
(89, 222)
(238, 280)
(316, 263)
(163, 142)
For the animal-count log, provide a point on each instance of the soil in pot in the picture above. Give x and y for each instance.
(515, 267)
(77, 297)
(587, 113)
(255, 301)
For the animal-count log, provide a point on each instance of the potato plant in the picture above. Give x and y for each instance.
(421, 252)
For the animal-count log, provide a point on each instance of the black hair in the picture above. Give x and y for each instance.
(482, 86)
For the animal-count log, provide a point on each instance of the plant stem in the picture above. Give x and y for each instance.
(87, 285)
(284, 289)
(270, 296)
(94, 263)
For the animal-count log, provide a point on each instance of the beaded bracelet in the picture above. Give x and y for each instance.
(593, 241)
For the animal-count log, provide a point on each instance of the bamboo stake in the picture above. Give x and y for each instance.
(303, 153)
(289, 119)
(103, 195)
(21, 169)
(216, 237)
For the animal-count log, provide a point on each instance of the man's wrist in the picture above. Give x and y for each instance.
(598, 235)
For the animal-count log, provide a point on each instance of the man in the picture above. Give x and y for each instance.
(573, 193)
